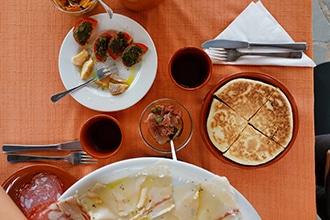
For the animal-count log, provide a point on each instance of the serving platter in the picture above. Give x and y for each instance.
(14, 183)
(180, 171)
(255, 76)
(141, 75)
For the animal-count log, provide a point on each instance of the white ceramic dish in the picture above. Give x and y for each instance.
(144, 72)
(180, 172)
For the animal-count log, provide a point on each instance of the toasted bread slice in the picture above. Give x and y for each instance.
(133, 54)
(118, 43)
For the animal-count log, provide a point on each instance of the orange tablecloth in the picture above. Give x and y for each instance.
(31, 36)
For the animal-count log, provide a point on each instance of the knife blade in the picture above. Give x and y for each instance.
(71, 145)
(222, 43)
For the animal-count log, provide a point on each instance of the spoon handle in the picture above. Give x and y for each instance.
(106, 8)
(60, 95)
(173, 150)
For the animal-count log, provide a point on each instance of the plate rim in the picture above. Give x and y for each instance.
(109, 103)
(246, 208)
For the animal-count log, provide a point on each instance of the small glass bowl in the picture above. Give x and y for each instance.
(179, 142)
(70, 10)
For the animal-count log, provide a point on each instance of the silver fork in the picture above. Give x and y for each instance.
(99, 74)
(78, 157)
(223, 54)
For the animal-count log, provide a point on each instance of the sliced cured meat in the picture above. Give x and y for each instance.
(165, 122)
(47, 211)
(44, 188)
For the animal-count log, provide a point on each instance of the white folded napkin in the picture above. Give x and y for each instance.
(256, 24)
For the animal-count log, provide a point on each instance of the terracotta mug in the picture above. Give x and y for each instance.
(190, 68)
(101, 136)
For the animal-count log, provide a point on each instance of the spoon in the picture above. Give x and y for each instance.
(106, 8)
(174, 136)
(173, 150)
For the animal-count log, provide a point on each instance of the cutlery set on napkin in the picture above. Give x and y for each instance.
(77, 156)
(256, 38)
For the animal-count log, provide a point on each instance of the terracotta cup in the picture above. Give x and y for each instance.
(190, 68)
(101, 136)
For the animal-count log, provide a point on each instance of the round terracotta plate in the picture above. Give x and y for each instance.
(16, 181)
(255, 76)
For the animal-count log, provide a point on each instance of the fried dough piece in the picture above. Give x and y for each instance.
(80, 58)
(86, 69)
(245, 96)
(253, 148)
(223, 125)
(275, 118)
(117, 88)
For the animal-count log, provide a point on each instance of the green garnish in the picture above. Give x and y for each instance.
(102, 46)
(119, 43)
(156, 109)
(83, 32)
(159, 118)
(131, 55)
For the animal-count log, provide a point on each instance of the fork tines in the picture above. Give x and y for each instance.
(86, 159)
(218, 53)
(110, 68)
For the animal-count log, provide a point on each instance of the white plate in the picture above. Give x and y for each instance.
(101, 100)
(180, 172)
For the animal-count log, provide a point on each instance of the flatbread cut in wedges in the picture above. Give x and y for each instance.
(253, 148)
(245, 96)
(275, 118)
(223, 125)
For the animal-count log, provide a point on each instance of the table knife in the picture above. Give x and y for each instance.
(72, 145)
(222, 43)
